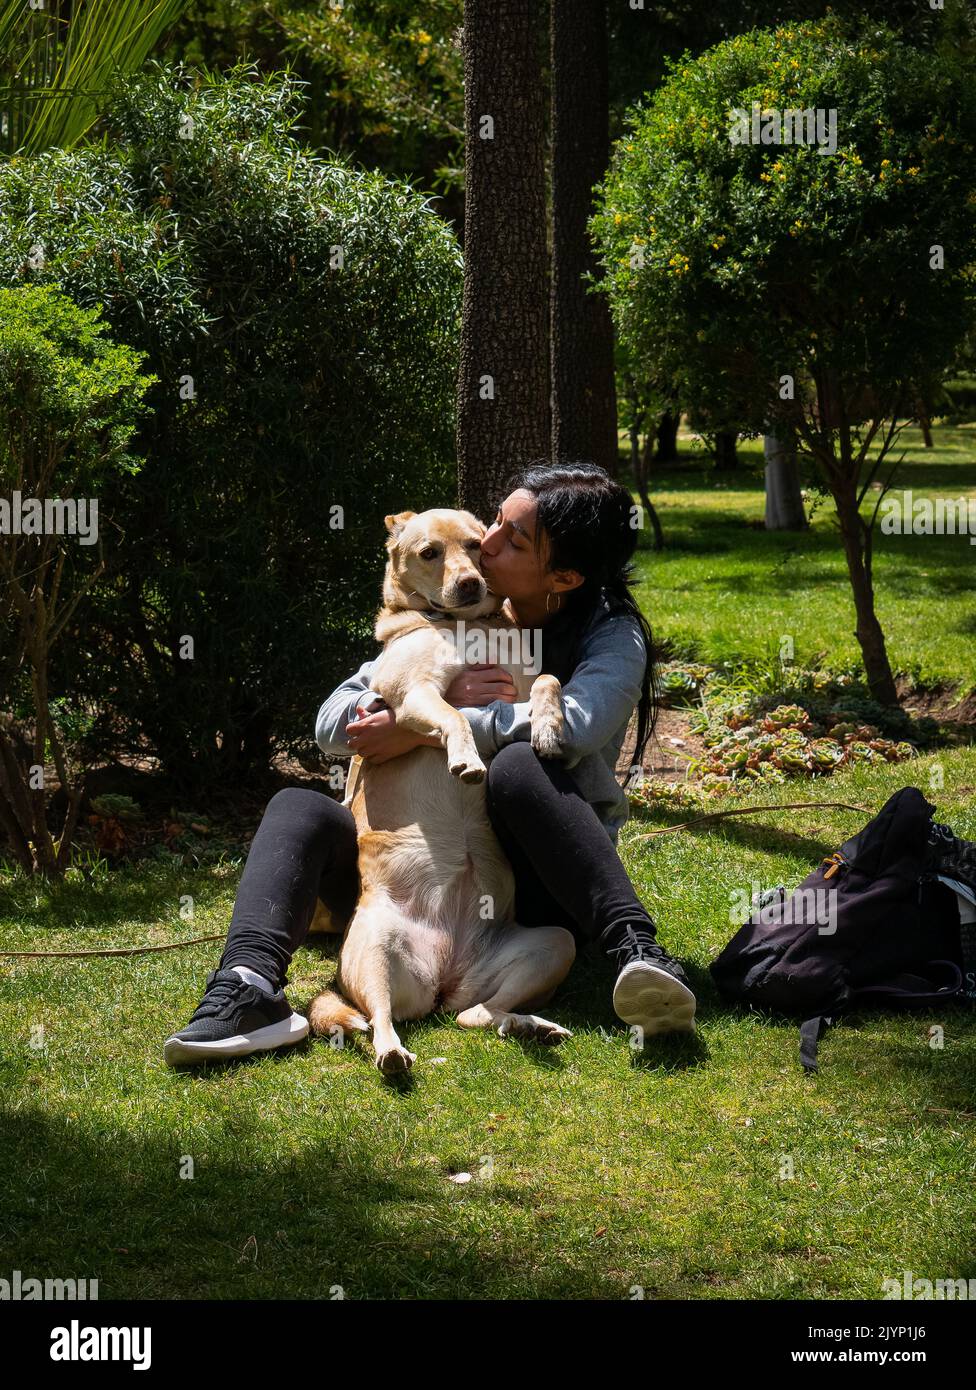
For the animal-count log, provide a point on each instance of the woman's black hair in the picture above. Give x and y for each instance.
(589, 522)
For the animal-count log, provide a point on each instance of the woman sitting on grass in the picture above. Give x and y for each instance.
(560, 549)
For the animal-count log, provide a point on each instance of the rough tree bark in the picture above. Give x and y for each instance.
(584, 403)
(503, 380)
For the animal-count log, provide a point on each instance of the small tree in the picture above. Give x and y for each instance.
(805, 286)
(68, 405)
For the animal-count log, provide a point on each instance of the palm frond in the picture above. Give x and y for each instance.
(56, 73)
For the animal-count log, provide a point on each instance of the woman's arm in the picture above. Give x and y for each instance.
(598, 698)
(340, 730)
(339, 709)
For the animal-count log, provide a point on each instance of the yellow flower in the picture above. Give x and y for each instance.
(423, 36)
(766, 178)
(913, 170)
(617, 218)
(885, 163)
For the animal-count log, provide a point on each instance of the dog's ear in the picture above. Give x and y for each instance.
(395, 524)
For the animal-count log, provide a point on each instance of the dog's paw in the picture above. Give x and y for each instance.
(545, 738)
(395, 1060)
(533, 1029)
(468, 769)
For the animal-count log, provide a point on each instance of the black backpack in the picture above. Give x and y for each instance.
(871, 924)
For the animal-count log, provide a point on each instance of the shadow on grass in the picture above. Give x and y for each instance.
(133, 895)
(751, 834)
(113, 1208)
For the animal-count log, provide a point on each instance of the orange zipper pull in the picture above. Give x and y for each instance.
(836, 861)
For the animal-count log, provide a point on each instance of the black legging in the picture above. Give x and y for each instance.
(567, 871)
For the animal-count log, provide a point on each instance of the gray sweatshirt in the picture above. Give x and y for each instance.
(598, 700)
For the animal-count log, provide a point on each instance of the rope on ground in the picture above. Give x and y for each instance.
(121, 950)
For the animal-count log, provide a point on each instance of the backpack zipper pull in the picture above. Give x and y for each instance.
(836, 862)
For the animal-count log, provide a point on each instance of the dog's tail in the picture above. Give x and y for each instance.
(329, 1011)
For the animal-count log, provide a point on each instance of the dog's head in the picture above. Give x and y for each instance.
(435, 563)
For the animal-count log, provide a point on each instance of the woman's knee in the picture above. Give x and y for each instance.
(513, 771)
(313, 811)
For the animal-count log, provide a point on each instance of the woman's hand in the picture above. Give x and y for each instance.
(480, 684)
(377, 737)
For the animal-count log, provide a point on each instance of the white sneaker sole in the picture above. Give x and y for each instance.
(280, 1034)
(653, 999)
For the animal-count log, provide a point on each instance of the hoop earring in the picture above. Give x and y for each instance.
(559, 600)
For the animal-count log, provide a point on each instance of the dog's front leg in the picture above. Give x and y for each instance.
(546, 716)
(425, 711)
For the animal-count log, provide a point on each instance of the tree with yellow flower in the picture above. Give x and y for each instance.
(818, 293)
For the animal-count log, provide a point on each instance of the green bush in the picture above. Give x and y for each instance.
(294, 380)
(69, 403)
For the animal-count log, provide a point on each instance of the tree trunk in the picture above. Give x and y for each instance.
(635, 451)
(503, 380)
(784, 503)
(667, 436)
(584, 406)
(725, 455)
(641, 470)
(856, 536)
(648, 451)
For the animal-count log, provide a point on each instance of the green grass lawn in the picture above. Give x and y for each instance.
(594, 1169)
(727, 589)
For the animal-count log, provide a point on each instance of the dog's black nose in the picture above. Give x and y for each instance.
(469, 586)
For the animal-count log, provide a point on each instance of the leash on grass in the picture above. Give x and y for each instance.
(121, 950)
(685, 825)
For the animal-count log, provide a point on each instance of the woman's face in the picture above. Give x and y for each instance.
(509, 559)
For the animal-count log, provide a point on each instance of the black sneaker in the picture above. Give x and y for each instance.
(652, 989)
(233, 1019)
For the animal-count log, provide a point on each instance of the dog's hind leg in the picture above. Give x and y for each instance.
(518, 969)
(386, 969)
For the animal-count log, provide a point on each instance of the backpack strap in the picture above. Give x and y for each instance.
(916, 989)
(811, 1031)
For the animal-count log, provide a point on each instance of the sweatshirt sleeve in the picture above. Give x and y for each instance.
(339, 709)
(599, 697)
